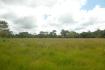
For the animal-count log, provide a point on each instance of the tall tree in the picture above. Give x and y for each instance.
(98, 33)
(53, 34)
(65, 33)
(4, 30)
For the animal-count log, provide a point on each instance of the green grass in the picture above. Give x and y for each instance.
(52, 54)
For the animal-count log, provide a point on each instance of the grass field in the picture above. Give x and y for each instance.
(52, 54)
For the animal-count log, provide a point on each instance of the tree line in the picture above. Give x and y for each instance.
(5, 32)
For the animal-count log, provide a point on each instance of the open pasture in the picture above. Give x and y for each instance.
(52, 54)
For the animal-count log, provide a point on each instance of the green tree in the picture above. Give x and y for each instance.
(4, 30)
(53, 34)
(24, 35)
(103, 33)
(73, 34)
(65, 33)
(98, 33)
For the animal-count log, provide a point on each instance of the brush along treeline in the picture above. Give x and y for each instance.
(5, 32)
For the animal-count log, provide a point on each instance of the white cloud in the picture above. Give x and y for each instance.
(46, 15)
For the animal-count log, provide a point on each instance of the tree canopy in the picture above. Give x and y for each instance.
(5, 32)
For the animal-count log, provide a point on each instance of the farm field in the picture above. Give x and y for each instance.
(52, 54)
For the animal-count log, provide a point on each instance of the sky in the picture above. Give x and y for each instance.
(90, 4)
(34, 16)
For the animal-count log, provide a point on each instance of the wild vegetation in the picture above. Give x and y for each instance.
(49, 51)
(52, 54)
(5, 32)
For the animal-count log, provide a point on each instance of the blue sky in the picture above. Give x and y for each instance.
(92, 3)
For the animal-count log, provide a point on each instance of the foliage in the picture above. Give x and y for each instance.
(5, 32)
(64, 34)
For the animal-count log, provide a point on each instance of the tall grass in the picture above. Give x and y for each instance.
(52, 54)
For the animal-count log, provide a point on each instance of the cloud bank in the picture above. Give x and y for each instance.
(46, 15)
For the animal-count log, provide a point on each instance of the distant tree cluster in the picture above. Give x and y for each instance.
(5, 32)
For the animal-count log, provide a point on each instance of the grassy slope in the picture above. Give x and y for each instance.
(52, 54)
